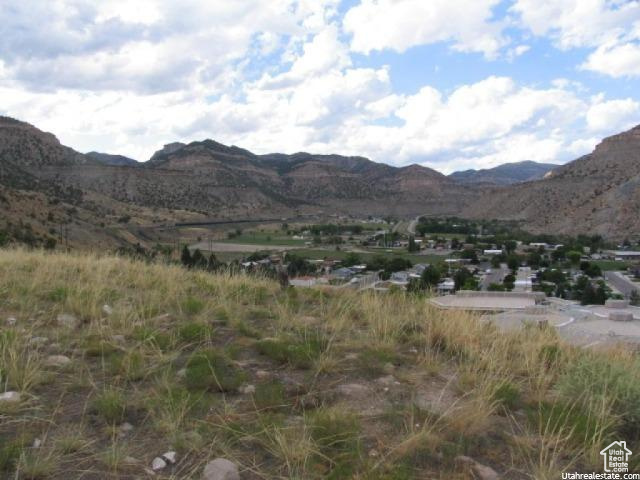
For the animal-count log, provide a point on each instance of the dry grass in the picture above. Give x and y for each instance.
(346, 365)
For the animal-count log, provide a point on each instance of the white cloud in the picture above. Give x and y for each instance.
(578, 23)
(612, 115)
(401, 24)
(611, 27)
(615, 60)
(280, 76)
(151, 47)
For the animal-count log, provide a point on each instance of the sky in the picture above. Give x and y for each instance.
(448, 84)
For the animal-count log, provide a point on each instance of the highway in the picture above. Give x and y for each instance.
(621, 283)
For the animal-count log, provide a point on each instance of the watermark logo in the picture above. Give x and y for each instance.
(616, 457)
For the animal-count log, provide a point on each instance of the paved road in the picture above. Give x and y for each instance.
(407, 227)
(496, 276)
(412, 226)
(621, 283)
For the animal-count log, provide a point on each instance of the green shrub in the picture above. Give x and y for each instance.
(336, 432)
(132, 365)
(10, 451)
(212, 370)
(96, 346)
(194, 332)
(111, 406)
(373, 360)
(192, 305)
(507, 394)
(150, 336)
(562, 419)
(269, 395)
(285, 351)
(593, 379)
(58, 294)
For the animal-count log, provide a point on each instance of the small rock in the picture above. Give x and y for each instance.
(38, 341)
(107, 310)
(68, 321)
(388, 368)
(373, 453)
(11, 321)
(181, 373)
(9, 397)
(158, 464)
(388, 380)
(485, 473)
(482, 472)
(124, 429)
(57, 361)
(221, 469)
(247, 389)
(353, 390)
(170, 457)
(37, 443)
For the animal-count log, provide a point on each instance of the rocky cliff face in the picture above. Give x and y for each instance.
(598, 193)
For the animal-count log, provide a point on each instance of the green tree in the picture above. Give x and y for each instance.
(198, 260)
(185, 257)
(574, 257)
(513, 262)
(351, 259)
(430, 277)
(413, 246)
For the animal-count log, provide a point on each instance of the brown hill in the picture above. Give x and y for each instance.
(222, 181)
(598, 193)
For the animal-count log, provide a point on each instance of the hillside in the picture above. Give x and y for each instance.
(219, 181)
(115, 160)
(112, 367)
(505, 174)
(596, 194)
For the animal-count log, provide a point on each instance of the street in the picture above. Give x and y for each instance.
(621, 283)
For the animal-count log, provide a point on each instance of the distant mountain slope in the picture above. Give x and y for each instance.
(222, 181)
(506, 174)
(597, 193)
(115, 160)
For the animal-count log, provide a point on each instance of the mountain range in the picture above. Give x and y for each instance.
(505, 174)
(209, 180)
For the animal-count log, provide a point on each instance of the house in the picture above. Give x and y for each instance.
(492, 252)
(446, 287)
(400, 278)
(616, 457)
(343, 273)
(304, 281)
(624, 254)
(419, 268)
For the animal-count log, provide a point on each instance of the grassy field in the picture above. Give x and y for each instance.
(264, 238)
(116, 362)
(340, 254)
(607, 265)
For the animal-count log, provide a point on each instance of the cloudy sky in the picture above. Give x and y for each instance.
(449, 84)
